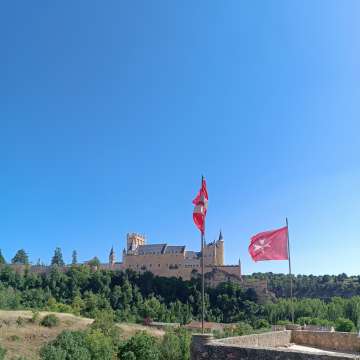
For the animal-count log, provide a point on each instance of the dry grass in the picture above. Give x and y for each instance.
(27, 339)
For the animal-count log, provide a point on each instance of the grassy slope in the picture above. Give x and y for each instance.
(26, 340)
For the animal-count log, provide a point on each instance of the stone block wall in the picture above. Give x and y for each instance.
(269, 339)
(261, 347)
(327, 340)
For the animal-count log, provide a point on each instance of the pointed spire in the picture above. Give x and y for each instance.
(221, 236)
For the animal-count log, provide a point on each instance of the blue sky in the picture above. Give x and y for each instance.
(110, 112)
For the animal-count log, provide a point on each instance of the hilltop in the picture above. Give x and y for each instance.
(25, 338)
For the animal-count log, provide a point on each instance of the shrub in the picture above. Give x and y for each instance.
(2, 353)
(141, 346)
(100, 346)
(50, 320)
(14, 338)
(344, 325)
(262, 324)
(176, 345)
(35, 316)
(104, 321)
(20, 321)
(68, 345)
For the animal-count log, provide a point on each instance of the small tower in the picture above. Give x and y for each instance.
(133, 240)
(112, 257)
(220, 250)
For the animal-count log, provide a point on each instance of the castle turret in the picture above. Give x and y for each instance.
(134, 240)
(220, 250)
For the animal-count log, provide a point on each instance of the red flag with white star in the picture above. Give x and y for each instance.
(270, 245)
(201, 204)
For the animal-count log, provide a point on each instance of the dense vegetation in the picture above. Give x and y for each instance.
(103, 340)
(311, 286)
(134, 297)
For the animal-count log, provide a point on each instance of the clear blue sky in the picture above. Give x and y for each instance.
(111, 111)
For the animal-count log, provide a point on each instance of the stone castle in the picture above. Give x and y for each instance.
(173, 261)
(176, 261)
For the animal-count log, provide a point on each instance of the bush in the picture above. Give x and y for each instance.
(141, 346)
(176, 345)
(2, 353)
(344, 325)
(35, 316)
(20, 321)
(50, 320)
(100, 346)
(261, 324)
(14, 338)
(69, 345)
(104, 321)
(79, 345)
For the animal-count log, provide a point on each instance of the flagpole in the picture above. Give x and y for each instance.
(202, 273)
(291, 281)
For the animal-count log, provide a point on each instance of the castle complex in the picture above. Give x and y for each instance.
(173, 261)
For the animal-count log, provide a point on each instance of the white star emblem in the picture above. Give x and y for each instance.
(261, 245)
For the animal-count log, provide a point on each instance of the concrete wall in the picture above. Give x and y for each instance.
(327, 340)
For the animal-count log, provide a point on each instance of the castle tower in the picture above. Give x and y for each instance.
(112, 257)
(133, 240)
(220, 250)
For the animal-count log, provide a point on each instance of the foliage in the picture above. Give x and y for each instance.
(2, 353)
(57, 259)
(20, 257)
(131, 297)
(20, 321)
(2, 259)
(176, 345)
(74, 258)
(69, 345)
(140, 346)
(50, 320)
(344, 325)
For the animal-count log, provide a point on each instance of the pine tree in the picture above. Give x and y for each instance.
(20, 257)
(57, 259)
(74, 258)
(2, 259)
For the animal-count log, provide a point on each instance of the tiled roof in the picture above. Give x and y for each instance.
(191, 254)
(174, 249)
(151, 249)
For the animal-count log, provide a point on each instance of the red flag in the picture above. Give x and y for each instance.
(201, 204)
(270, 245)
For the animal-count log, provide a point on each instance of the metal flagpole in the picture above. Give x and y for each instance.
(291, 281)
(202, 273)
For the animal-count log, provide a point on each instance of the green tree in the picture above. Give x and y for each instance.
(20, 257)
(2, 259)
(69, 345)
(139, 347)
(100, 346)
(344, 325)
(57, 259)
(74, 258)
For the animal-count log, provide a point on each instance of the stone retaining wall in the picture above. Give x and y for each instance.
(269, 339)
(259, 347)
(327, 340)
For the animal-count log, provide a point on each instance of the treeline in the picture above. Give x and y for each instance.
(310, 286)
(132, 296)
